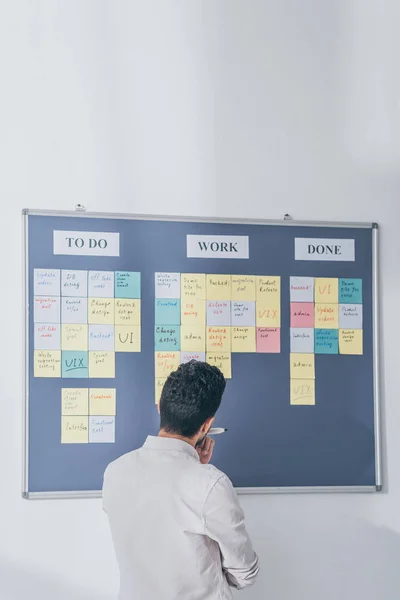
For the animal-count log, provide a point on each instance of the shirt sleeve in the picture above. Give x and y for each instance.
(224, 523)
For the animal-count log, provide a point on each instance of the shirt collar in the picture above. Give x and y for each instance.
(170, 444)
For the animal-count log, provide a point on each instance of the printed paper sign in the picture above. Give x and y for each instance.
(85, 243)
(217, 246)
(324, 249)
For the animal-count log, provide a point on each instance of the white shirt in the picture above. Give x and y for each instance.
(177, 526)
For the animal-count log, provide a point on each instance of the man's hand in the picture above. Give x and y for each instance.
(205, 450)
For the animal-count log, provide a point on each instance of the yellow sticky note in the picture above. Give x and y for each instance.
(302, 392)
(74, 401)
(74, 337)
(243, 287)
(326, 290)
(243, 339)
(218, 339)
(222, 361)
(219, 287)
(267, 316)
(127, 312)
(350, 341)
(166, 363)
(75, 430)
(159, 388)
(103, 402)
(101, 311)
(127, 338)
(193, 338)
(102, 365)
(326, 316)
(193, 286)
(302, 366)
(268, 290)
(193, 312)
(47, 363)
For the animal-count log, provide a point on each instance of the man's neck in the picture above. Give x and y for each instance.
(165, 434)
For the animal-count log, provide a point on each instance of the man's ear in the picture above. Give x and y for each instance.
(158, 407)
(208, 424)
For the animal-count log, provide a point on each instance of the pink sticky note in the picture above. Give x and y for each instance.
(301, 314)
(268, 339)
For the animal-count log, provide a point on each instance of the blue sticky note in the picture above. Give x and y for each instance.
(326, 341)
(127, 284)
(167, 338)
(350, 291)
(167, 311)
(74, 364)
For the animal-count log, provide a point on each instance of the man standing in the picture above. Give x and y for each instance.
(176, 523)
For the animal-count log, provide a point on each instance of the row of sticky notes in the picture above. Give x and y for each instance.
(326, 316)
(88, 402)
(80, 284)
(85, 429)
(73, 364)
(326, 341)
(330, 290)
(96, 311)
(118, 338)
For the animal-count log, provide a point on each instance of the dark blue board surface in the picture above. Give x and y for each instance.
(269, 442)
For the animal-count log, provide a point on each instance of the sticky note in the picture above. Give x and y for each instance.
(167, 337)
(350, 316)
(218, 287)
(102, 365)
(74, 310)
(101, 284)
(101, 430)
(101, 311)
(268, 291)
(127, 284)
(326, 341)
(351, 341)
(74, 283)
(302, 340)
(222, 361)
(193, 312)
(302, 366)
(244, 287)
(193, 286)
(167, 311)
(168, 285)
(127, 311)
(74, 337)
(74, 430)
(47, 336)
(103, 401)
(159, 388)
(218, 339)
(326, 290)
(127, 338)
(327, 316)
(101, 337)
(243, 313)
(302, 314)
(268, 339)
(302, 392)
(193, 338)
(46, 309)
(302, 289)
(75, 401)
(267, 316)
(243, 339)
(188, 356)
(166, 363)
(219, 312)
(350, 291)
(47, 363)
(46, 282)
(74, 364)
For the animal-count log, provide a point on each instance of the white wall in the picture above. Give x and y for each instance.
(240, 108)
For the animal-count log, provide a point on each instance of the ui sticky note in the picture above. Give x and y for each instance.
(302, 392)
(127, 338)
(326, 290)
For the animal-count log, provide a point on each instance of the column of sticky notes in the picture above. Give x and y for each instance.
(88, 415)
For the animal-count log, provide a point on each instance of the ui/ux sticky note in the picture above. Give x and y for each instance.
(102, 430)
(243, 339)
(101, 337)
(219, 312)
(74, 337)
(302, 366)
(102, 365)
(243, 313)
(101, 311)
(327, 316)
(302, 340)
(193, 312)
(127, 284)
(193, 286)
(47, 336)
(302, 315)
(351, 341)
(222, 361)
(159, 384)
(102, 401)
(46, 309)
(267, 316)
(350, 316)
(101, 284)
(127, 338)
(268, 291)
(326, 290)
(127, 311)
(47, 363)
(302, 392)
(74, 364)
(188, 356)
(302, 289)
(46, 282)
(166, 363)
(167, 337)
(326, 341)
(268, 339)
(243, 288)
(74, 283)
(167, 311)
(218, 287)
(193, 338)
(218, 339)
(74, 430)
(74, 402)
(74, 310)
(168, 285)
(350, 291)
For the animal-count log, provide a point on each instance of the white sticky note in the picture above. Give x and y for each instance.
(74, 310)
(243, 313)
(47, 336)
(102, 430)
(302, 340)
(46, 309)
(218, 312)
(350, 316)
(74, 283)
(168, 285)
(46, 282)
(188, 356)
(101, 284)
(302, 289)
(101, 337)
